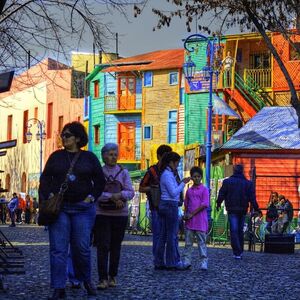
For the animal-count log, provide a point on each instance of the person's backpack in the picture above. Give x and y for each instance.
(154, 189)
(112, 186)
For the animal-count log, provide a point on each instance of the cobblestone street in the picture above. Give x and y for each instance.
(257, 276)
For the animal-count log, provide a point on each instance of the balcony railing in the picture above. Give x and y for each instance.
(263, 77)
(111, 103)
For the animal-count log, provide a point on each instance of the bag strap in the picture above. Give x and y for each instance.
(110, 177)
(64, 185)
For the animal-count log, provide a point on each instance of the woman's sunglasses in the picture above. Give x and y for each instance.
(66, 135)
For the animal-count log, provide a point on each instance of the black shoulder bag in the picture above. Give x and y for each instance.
(49, 209)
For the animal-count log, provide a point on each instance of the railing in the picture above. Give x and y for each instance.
(111, 103)
(258, 89)
(252, 98)
(263, 77)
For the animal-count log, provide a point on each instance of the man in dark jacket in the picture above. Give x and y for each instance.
(237, 192)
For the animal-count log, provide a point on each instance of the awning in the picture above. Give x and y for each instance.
(220, 107)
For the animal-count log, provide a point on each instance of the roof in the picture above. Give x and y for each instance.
(156, 60)
(272, 128)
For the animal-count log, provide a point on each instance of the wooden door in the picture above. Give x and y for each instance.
(126, 140)
(126, 93)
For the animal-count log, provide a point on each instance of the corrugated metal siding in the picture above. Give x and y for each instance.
(111, 130)
(181, 124)
(274, 173)
(97, 117)
(110, 85)
(196, 118)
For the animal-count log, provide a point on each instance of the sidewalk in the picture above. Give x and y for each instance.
(257, 276)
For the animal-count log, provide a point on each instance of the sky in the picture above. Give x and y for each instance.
(137, 35)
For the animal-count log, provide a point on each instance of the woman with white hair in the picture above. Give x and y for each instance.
(112, 216)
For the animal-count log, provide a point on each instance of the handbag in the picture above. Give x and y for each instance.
(112, 186)
(49, 209)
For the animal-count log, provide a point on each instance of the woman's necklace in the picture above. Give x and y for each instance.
(71, 176)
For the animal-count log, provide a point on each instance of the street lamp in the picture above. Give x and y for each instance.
(208, 71)
(40, 136)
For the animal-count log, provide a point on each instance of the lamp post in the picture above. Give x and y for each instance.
(208, 71)
(40, 136)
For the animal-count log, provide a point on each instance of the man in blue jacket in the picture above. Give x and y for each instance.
(12, 205)
(237, 192)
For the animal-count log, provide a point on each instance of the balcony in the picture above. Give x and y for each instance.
(119, 105)
(263, 77)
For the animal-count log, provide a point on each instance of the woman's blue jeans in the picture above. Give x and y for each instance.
(73, 227)
(167, 245)
(236, 222)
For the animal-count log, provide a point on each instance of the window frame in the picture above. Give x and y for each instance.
(96, 89)
(96, 134)
(144, 79)
(172, 120)
(146, 126)
(170, 74)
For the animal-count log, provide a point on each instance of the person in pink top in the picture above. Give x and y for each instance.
(196, 223)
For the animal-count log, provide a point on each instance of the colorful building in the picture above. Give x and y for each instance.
(140, 98)
(270, 157)
(44, 93)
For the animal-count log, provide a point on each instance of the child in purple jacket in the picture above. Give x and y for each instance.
(196, 223)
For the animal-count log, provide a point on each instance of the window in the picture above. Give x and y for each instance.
(96, 89)
(97, 134)
(173, 78)
(148, 76)
(172, 126)
(49, 120)
(260, 60)
(9, 127)
(25, 120)
(295, 53)
(86, 107)
(60, 123)
(147, 132)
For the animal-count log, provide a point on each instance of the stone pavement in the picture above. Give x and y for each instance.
(257, 276)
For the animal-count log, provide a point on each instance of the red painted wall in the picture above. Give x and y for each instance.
(293, 66)
(274, 172)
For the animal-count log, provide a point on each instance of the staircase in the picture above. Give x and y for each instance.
(248, 95)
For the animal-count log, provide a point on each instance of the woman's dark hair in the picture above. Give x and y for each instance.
(162, 149)
(167, 158)
(196, 170)
(79, 131)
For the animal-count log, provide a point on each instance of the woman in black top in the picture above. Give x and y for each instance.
(77, 216)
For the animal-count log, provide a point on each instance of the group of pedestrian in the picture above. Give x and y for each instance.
(164, 188)
(94, 212)
(279, 213)
(18, 210)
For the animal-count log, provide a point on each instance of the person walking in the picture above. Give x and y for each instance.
(3, 206)
(196, 203)
(237, 192)
(28, 209)
(166, 252)
(77, 216)
(149, 181)
(12, 206)
(112, 216)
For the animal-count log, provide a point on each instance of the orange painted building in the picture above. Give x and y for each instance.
(269, 148)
